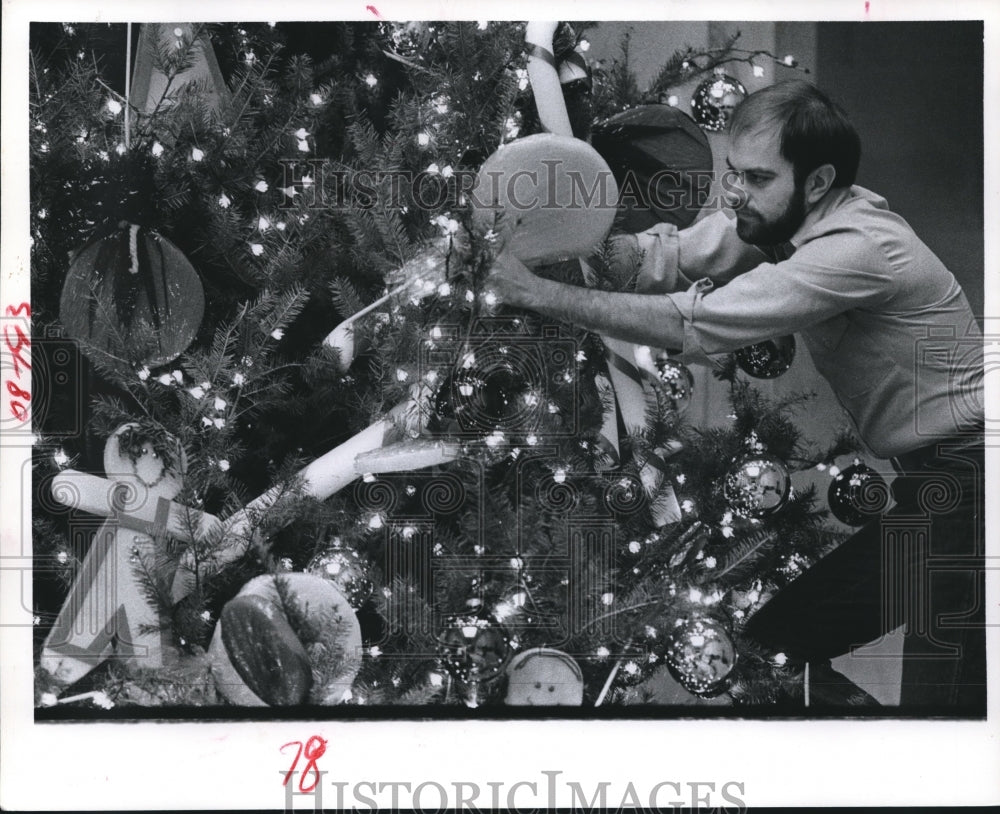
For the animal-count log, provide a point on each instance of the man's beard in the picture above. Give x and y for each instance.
(759, 232)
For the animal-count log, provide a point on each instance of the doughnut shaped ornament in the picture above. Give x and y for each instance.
(259, 660)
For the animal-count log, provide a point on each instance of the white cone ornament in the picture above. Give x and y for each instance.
(341, 339)
(257, 658)
(154, 86)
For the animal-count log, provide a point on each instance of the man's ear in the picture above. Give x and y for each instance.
(818, 183)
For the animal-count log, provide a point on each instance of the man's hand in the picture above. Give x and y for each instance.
(426, 270)
(513, 282)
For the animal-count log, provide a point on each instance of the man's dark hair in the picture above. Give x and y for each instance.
(814, 130)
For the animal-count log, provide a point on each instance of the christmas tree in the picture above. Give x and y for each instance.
(335, 469)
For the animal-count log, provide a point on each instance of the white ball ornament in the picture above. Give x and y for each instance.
(544, 676)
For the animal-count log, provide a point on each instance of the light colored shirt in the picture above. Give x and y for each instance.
(885, 322)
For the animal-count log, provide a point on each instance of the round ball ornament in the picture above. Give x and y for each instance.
(857, 494)
(542, 677)
(473, 649)
(714, 101)
(132, 294)
(756, 485)
(346, 569)
(486, 393)
(700, 655)
(625, 495)
(493, 393)
(633, 671)
(670, 377)
(768, 359)
(675, 380)
(530, 189)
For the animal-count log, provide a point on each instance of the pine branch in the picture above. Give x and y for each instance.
(274, 312)
(740, 558)
(420, 695)
(346, 298)
(153, 579)
(845, 442)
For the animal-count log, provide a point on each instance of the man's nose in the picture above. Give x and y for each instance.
(737, 197)
(736, 194)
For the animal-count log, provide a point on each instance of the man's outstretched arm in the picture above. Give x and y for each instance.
(824, 278)
(645, 319)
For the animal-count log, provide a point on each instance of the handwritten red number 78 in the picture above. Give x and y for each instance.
(313, 751)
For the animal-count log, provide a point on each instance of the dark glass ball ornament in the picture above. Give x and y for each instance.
(481, 397)
(675, 380)
(346, 569)
(714, 101)
(700, 655)
(473, 648)
(857, 494)
(757, 485)
(768, 359)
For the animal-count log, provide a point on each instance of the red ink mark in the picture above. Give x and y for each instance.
(17, 392)
(374, 11)
(866, 7)
(15, 350)
(314, 749)
(18, 409)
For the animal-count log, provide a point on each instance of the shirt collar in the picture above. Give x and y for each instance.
(830, 202)
(827, 204)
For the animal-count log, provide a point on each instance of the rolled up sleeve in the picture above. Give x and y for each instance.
(673, 260)
(821, 280)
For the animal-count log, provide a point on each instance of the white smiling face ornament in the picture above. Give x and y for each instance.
(543, 676)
